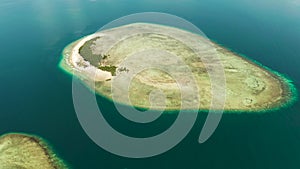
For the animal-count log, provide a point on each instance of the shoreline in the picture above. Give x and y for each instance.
(288, 94)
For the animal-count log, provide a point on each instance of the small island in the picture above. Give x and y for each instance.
(98, 59)
(27, 152)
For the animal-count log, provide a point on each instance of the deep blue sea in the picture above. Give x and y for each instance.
(36, 96)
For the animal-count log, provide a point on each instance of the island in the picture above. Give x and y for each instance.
(98, 59)
(18, 150)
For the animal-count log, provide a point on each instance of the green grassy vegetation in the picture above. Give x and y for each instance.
(111, 69)
(104, 56)
(86, 52)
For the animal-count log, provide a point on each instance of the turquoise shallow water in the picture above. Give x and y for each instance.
(37, 97)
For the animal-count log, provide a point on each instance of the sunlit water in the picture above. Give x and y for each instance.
(36, 95)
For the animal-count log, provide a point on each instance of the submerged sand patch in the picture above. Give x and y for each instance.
(27, 152)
